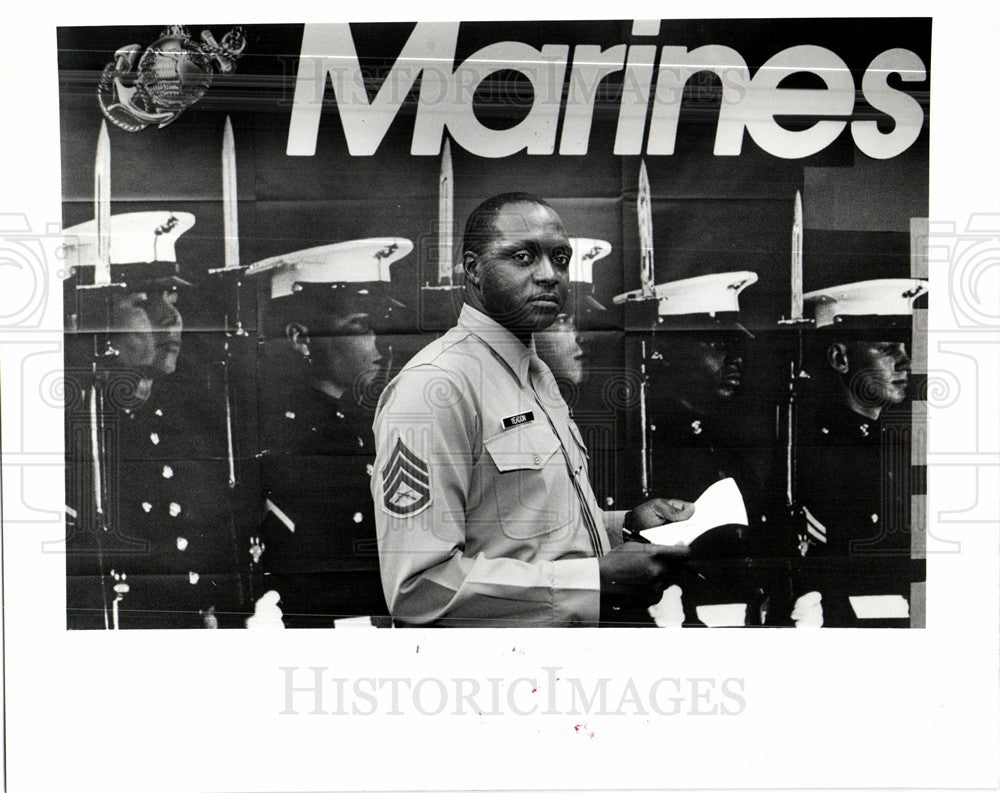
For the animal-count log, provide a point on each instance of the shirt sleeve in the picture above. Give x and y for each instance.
(428, 441)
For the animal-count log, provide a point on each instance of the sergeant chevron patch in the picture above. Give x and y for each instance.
(406, 482)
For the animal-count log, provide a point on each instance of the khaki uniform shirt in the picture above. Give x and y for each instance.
(483, 506)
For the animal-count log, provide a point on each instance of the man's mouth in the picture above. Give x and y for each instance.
(553, 299)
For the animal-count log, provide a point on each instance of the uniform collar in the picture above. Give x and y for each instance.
(846, 423)
(500, 340)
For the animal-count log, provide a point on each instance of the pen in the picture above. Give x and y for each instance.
(631, 535)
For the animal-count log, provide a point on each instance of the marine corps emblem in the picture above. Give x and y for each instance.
(173, 73)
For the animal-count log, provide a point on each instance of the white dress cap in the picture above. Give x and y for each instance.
(883, 297)
(351, 262)
(703, 294)
(136, 237)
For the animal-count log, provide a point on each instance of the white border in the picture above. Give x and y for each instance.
(200, 711)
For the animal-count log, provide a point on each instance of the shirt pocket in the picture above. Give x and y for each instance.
(532, 486)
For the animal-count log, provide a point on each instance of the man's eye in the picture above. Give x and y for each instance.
(561, 260)
(524, 257)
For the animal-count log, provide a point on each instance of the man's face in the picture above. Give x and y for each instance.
(522, 275)
(147, 330)
(345, 353)
(703, 375)
(879, 371)
(559, 346)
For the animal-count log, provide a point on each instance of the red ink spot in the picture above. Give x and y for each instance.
(534, 690)
(591, 735)
(578, 727)
(418, 648)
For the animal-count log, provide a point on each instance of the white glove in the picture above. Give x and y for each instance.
(808, 611)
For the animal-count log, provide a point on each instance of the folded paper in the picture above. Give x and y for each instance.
(720, 505)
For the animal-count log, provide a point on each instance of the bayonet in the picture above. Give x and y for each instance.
(644, 208)
(231, 264)
(796, 308)
(230, 215)
(102, 207)
(446, 213)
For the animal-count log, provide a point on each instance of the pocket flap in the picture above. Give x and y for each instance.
(522, 448)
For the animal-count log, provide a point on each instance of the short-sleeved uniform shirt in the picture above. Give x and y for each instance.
(484, 511)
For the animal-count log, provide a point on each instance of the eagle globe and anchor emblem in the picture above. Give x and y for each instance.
(173, 73)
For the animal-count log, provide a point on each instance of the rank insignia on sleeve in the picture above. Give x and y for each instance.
(406, 482)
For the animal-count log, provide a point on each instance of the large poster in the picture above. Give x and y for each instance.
(284, 214)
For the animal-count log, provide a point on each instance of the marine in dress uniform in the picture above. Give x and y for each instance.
(560, 345)
(695, 373)
(323, 374)
(149, 532)
(484, 509)
(854, 454)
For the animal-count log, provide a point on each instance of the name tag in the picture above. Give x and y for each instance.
(520, 418)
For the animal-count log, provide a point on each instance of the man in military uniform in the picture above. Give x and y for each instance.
(484, 509)
(853, 452)
(322, 376)
(149, 535)
(695, 373)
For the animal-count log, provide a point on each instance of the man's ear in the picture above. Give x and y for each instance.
(470, 263)
(298, 335)
(836, 356)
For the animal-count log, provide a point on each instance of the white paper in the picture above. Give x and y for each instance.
(876, 607)
(720, 505)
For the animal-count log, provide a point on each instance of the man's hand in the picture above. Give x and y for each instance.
(636, 573)
(658, 511)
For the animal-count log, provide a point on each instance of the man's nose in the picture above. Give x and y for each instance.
(165, 314)
(545, 270)
(902, 359)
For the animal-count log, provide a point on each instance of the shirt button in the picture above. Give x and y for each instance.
(874, 517)
(536, 459)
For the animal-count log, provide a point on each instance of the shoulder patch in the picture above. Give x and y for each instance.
(406, 482)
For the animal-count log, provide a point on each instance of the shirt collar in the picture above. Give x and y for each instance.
(500, 340)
